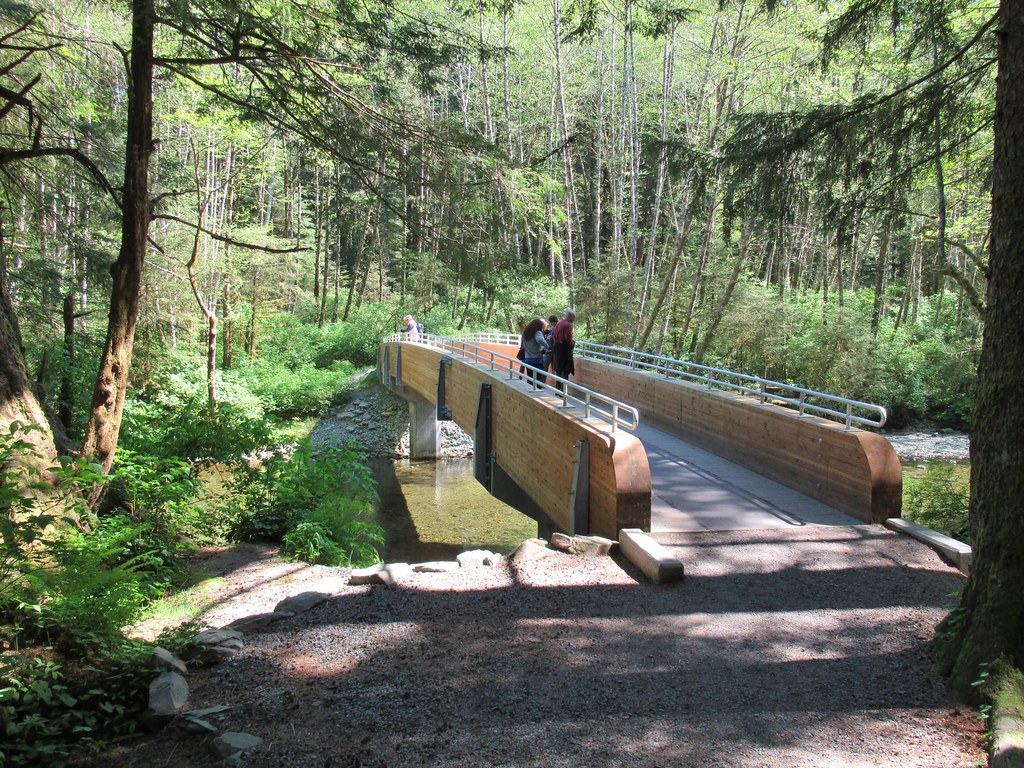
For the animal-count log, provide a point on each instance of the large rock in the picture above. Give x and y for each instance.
(229, 744)
(530, 550)
(217, 636)
(300, 603)
(168, 695)
(382, 573)
(257, 621)
(436, 566)
(164, 659)
(592, 546)
(588, 546)
(218, 644)
(476, 558)
(562, 541)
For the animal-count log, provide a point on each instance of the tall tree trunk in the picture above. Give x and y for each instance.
(719, 312)
(66, 399)
(18, 401)
(992, 621)
(111, 382)
(878, 305)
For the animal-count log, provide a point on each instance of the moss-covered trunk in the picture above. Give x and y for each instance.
(991, 624)
(112, 379)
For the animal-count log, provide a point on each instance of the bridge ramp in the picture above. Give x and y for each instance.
(693, 490)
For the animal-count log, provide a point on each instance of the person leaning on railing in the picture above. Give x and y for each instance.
(534, 347)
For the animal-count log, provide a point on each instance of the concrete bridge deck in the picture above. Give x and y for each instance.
(693, 490)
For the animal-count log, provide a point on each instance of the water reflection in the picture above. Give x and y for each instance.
(435, 510)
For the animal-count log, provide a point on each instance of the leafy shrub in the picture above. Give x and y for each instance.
(161, 494)
(56, 713)
(88, 592)
(939, 499)
(193, 431)
(306, 390)
(312, 543)
(329, 488)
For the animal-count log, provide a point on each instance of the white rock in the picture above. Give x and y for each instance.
(531, 550)
(475, 558)
(168, 694)
(300, 603)
(164, 659)
(231, 743)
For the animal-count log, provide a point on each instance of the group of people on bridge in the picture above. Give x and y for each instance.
(548, 345)
(545, 344)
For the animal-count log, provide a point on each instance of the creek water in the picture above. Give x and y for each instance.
(433, 510)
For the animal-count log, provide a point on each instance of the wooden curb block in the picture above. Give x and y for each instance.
(649, 556)
(956, 551)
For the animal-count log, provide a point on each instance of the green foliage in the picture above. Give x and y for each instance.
(329, 489)
(73, 591)
(916, 371)
(306, 390)
(193, 431)
(354, 341)
(88, 592)
(939, 499)
(56, 713)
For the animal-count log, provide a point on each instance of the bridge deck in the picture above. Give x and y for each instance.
(693, 490)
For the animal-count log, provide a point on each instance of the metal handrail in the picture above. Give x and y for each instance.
(766, 390)
(594, 404)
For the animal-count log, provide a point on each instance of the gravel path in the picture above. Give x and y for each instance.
(779, 650)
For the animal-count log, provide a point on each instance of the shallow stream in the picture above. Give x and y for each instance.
(433, 510)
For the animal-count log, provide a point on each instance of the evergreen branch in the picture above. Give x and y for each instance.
(14, 155)
(227, 239)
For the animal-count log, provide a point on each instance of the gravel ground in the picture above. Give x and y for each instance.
(779, 650)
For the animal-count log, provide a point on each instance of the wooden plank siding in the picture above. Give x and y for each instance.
(853, 470)
(535, 442)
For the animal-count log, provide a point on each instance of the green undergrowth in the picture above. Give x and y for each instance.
(938, 497)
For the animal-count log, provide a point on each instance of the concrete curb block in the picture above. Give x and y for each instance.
(960, 553)
(1007, 750)
(649, 556)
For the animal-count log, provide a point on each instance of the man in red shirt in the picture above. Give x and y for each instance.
(561, 354)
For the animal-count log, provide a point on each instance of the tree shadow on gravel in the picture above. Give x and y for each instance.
(819, 660)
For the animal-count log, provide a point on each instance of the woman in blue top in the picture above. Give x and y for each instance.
(534, 347)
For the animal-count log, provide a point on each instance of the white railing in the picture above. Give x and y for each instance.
(594, 404)
(803, 401)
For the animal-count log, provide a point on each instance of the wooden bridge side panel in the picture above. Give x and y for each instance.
(850, 469)
(535, 444)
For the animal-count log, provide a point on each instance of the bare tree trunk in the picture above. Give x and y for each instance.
(112, 380)
(66, 399)
(719, 312)
(18, 401)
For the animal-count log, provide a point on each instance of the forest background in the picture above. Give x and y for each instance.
(801, 192)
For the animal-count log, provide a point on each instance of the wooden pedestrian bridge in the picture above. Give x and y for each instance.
(640, 441)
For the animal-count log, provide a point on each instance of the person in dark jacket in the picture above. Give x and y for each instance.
(562, 346)
(552, 322)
